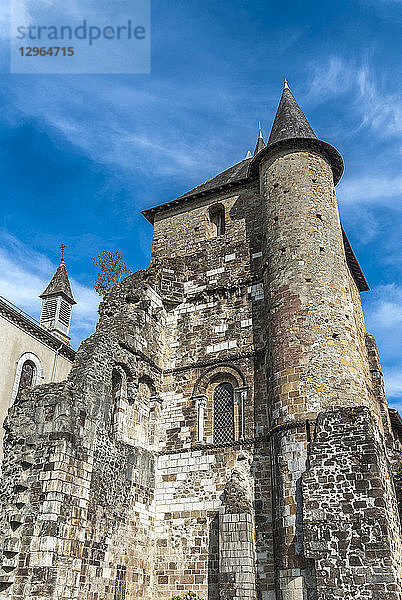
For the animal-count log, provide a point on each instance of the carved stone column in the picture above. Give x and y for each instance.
(201, 404)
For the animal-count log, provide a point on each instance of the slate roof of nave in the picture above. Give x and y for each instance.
(235, 175)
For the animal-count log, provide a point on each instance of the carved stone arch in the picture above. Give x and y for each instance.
(37, 375)
(215, 373)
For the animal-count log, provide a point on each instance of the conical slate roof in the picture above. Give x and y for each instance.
(260, 145)
(290, 121)
(59, 285)
(290, 129)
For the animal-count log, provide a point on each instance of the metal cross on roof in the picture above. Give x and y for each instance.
(62, 246)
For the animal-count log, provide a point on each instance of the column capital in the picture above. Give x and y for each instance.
(201, 400)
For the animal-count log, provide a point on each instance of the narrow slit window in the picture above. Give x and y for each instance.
(117, 384)
(217, 219)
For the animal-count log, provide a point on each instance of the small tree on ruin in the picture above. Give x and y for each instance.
(111, 270)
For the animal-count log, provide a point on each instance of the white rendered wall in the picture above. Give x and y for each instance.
(14, 342)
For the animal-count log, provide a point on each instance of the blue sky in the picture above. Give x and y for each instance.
(82, 155)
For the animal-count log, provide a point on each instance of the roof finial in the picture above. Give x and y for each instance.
(260, 140)
(62, 252)
(285, 84)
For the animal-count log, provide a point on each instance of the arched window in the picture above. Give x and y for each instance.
(223, 400)
(217, 219)
(27, 377)
(29, 372)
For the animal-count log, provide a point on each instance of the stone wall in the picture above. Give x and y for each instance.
(78, 501)
(115, 485)
(351, 523)
(153, 482)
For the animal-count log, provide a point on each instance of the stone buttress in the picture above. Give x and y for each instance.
(225, 429)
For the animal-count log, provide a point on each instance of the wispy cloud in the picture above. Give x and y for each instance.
(375, 111)
(330, 78)
(381, 110)
(372, 189)
(393, 383)
(24, 274)
(132, 136)
(364, 225)
(383, 316)
(372, 100)
(386, 307)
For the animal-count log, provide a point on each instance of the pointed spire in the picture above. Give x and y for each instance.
(290, 121)
(292, 132)
(260, 145)
(248, 155)
(59, 284)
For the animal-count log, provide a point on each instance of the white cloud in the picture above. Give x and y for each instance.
(384, 308)
(24, 274)
(380, 110)
(383, 316)
(363, 223)
(372, 189)
(376, 106)
(387, 314)
(393, 382)
(330, 79)
(172, 145)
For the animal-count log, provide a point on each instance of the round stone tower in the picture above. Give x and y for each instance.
(316, 355)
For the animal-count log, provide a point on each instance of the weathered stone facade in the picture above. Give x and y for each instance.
(225, 429)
